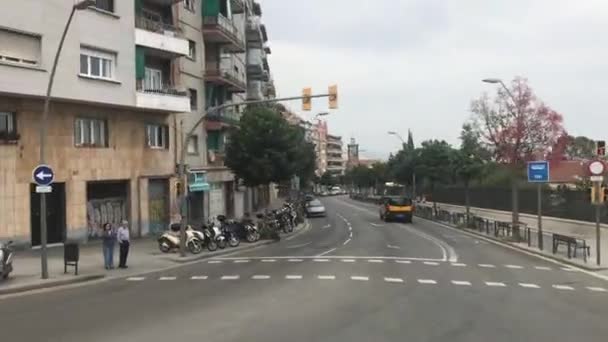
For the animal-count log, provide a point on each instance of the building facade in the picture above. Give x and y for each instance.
(133, 78)
(335, 160)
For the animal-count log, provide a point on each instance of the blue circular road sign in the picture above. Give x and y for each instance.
(43, 175)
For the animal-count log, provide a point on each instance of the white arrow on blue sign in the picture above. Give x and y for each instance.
(538, 171)
(43, 175)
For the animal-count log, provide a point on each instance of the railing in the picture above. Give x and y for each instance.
(226, 116)
(164, 90)
(223, 23)
(226, 69)
(155, 26)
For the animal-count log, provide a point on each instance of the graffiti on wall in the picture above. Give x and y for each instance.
(107, 210)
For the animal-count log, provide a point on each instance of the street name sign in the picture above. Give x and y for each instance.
(538, 171)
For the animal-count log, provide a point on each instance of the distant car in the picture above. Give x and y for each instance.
(309, 197)
(396, 208)
(315, 208)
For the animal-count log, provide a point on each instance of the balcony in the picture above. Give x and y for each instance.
(255, 90)
(238, 6)
(159, 36)
(163, 98)
(220, 121)
(215, 158)
(255, 64)
(221, 30)
(256, 33)
(226, 72)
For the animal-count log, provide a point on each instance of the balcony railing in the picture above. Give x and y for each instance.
(229, 117)
(163, 90)
(155, 26)
(227, 71)
(228, 29)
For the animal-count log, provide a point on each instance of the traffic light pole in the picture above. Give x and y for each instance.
(598, 194)
(181, 170)
(540, 215)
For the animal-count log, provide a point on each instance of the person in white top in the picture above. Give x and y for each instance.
(123, 241)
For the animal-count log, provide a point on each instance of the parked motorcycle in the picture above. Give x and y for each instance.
(6, 259)
(228, 228)
(170, 239)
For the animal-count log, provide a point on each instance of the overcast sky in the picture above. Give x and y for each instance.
(416, 64)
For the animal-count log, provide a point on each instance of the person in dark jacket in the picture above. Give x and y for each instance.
(108, 236)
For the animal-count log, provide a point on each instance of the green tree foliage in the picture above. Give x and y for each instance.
(265, 148)
(580, 148)
(433, 162)
(327, 179)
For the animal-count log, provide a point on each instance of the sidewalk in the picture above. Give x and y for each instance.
(579, 229)
(144, 256)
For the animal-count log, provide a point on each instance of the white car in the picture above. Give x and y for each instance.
(315, 208)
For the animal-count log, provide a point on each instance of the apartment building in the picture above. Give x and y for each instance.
(111, 132)
(335, 160)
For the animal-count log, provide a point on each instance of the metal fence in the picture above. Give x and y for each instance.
(563, 203)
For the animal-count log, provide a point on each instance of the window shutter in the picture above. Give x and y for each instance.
(138, 7)
(140, 63)
(211, 8)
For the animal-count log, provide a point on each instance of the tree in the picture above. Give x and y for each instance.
(327, 179)
(579, 147)
(265, 148)
(517, 127)
(468, 162)
(432, 163)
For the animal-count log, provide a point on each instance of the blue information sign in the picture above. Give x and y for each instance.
(43, 175)
(538, 171)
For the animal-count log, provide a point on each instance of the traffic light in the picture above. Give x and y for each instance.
(306, 99)
(600, 148)
(333, 97)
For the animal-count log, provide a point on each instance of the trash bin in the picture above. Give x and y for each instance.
(71, 254)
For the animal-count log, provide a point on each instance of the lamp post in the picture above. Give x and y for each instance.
(43, 127)
(413, 172)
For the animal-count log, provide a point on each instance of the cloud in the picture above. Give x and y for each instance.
(417, 64)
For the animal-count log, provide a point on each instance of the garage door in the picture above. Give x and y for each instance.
(216, 200)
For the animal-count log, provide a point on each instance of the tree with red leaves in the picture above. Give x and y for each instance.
(518, 127)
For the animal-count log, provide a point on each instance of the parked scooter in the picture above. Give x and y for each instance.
(6, 259)
(227, 227)
(170, 239)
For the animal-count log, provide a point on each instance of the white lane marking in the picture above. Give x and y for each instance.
(359, 278)
(214, 261)
(393, 247)
(432, 263)
(199, 277)
(543, 268)
(167, 278)
(350, 229)
(348, 260)
(295, 260)
(350, 235)
(426, 281)
(320, 260)
(269, 260)
(403, 261)
(326, 277)
(517, 267)
(326, 226)
(260, 277)
(458, 264)
(486, 265)
(596, 289)
(377, 261)
(136, 278)
(529, 286)
(346, 242)
(393, 280)
(569, 269)
(327, 252)
(241, 261)
(461, 282)
(332, 257)
(495, 284)
(563, 287)
(448, 252)
(230, 277)
(377, 225)
(293, 276)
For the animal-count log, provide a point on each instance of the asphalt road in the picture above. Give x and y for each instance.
(349, 278)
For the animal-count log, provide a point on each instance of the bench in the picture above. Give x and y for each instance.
(572, 243)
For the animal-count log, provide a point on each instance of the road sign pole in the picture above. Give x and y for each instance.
(540, 215)
(43, 251)
(598, 209)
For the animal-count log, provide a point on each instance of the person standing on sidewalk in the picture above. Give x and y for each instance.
(123, 242)
(108, 237)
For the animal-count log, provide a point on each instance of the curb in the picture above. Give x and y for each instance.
(298, 230)
(504, 243)
(50, 284)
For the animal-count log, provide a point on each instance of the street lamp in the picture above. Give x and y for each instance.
(321, 114)
(499, 81)
(413, 172)
(43, 126)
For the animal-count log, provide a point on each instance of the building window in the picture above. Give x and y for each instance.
(157, 136)
(8, 126)
(193, 145)
(153, 79)
(19, 48)
(191, 50)
(193, 99)
(189, 5)
(97, 64)
(90, 132)
(106, 5)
